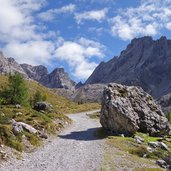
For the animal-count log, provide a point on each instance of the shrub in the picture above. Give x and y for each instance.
(38, 97)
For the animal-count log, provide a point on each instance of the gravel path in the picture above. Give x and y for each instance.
(75, 149)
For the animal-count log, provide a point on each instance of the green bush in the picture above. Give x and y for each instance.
(38, 97)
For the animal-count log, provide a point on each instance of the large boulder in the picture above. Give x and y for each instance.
(43, 106)
(128, 109)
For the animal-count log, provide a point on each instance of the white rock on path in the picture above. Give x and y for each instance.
(76, 149)
(20, 126)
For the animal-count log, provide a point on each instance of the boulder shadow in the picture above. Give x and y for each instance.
(87, 135)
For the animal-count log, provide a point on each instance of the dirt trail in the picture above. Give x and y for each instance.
(75, 149)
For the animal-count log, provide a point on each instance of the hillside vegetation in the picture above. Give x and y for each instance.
(121, 151)
(49, 122)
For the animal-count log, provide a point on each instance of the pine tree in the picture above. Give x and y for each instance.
(16, 91)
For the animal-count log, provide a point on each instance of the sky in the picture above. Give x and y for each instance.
(78, 34)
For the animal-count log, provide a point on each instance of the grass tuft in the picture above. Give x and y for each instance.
(40, 121)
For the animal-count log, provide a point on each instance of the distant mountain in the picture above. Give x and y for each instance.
(88, 93)
(9, 65)
(145, 63)
(58, 78)
(37, 73)
(165, 102)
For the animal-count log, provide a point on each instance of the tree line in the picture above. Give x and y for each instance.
(17, 92)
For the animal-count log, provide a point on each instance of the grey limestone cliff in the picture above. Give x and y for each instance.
(58, 78)
(10, 66)
(145, 62)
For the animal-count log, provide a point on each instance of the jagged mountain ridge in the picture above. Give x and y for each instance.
(145, 63)
(9, 65)
(58, 78)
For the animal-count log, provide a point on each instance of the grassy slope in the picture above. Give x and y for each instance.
(124, 152)
(36, 119)
(61, 105)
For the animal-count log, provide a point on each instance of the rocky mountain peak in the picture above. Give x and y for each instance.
(58, 78)
(59, 70)
(9, 65)
(142, 39)
(11, 60)
(145, 62)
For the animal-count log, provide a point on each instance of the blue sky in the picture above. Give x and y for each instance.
(77, 34)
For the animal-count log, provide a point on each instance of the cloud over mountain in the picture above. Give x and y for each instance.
(147, 19)
(59, 33)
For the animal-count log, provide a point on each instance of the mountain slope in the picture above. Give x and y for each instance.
(58, 78)
(145, 62)
(9, 65)
(88, 93)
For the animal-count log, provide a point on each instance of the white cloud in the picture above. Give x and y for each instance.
(168, 25)
(78, 55)
(147, 19)
(29, 5)
(96, 1)
(19, 32)
(52, 13)
(84, 69)
(32, 52)
(16, 20)
(96, 30)
(96, 15)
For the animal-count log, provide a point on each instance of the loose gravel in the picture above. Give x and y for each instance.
(75, 149)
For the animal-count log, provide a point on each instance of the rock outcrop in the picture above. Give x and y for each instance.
(43, 106)
(58, 78)
(145, 63)
(67, 93)
(165, 102)
(10, 66)
(128, 109)
(37, 73)
(18, 127)
(88, 93)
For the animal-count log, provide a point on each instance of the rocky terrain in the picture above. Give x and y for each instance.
(89, 93)
(76, 148)
(165, 102)
(80, 147)
(128, 109)
(58, 78)
(9, 65)
(145, 62)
